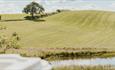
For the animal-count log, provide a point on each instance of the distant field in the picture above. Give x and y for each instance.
(72, 29)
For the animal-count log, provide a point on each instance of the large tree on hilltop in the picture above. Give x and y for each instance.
(33, 8)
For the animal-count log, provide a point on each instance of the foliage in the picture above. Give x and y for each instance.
(33, 8)
(58, 10)
(7, 43)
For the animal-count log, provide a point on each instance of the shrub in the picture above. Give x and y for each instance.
(7, 43)
(58, 10)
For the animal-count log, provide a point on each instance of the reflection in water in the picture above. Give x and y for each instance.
(91, 62)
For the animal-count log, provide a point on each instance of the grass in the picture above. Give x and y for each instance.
(67, 31)
(85, 68)
(56, 54)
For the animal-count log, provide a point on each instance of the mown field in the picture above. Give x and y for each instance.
(70, 31)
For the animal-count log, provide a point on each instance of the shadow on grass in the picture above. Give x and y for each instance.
(12, 20)
(36, 20)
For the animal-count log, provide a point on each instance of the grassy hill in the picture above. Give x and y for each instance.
(86, 18)
(72, 29)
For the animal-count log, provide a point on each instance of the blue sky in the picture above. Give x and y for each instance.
(16, 6)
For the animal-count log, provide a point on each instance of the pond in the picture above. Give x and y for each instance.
(84, 62)
(17, 62)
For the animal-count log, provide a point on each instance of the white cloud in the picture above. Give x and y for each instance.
(11, 6)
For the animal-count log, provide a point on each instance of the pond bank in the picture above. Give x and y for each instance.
(62, 54)
(77, 55)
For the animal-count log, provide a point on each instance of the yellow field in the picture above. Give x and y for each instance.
(72, 29)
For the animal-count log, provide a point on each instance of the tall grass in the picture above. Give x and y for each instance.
(7, 43)
(56, 54)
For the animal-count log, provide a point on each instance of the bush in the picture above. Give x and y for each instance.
(7, 43)
(58, 10)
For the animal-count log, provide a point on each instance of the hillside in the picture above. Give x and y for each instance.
(86, 18)
(72, 29)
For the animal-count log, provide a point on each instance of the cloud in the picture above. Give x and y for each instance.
(11, 6)
(16, 6)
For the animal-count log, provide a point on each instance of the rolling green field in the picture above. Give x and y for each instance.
(70, 30)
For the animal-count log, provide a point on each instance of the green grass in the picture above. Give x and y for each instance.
(80, 30)
(85, 68)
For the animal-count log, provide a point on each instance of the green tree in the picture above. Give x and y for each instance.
(33, 8)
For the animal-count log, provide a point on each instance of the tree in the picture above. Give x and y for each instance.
(33, 8)
(58, 10)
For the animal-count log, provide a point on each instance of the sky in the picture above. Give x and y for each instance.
(16, 6)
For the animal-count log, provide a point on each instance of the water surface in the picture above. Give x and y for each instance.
(87, 62)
